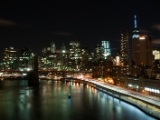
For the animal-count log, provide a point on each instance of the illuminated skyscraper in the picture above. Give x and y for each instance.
(106, 49)
(25, 61)
(141, 47)
(124, 46)
(10, 59)
(74, 51)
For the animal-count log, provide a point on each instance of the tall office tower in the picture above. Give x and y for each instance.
(74, 51)
(106, 49)
(141, 47)
(124, 46)
(53, 47)
(10, 58)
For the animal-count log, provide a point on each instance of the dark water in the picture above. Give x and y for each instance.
(50, 102)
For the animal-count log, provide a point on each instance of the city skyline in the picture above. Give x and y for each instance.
(35, 25)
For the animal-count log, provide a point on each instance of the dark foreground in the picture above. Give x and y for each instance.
(50, 101)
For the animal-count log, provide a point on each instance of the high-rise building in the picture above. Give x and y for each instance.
(141, 47)
(124, 46)
(10, 59)
(75, 51)
(106, 49)
(25, 61)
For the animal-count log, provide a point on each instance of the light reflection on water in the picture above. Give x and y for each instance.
(50, 101)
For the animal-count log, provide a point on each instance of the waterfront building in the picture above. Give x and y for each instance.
(10, 58)
(25, 62)
(118, 73)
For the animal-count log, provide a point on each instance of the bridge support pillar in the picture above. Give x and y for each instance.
(33, 79)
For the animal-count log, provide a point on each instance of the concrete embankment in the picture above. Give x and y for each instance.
(147, 105)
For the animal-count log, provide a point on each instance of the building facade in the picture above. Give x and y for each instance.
(141, 48)
(106, 49)
(124, 46)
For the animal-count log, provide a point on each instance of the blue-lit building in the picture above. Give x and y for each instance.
(106, 49)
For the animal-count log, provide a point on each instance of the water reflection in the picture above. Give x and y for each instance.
(50, 101)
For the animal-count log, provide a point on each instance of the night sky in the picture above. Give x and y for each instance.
(36, 24)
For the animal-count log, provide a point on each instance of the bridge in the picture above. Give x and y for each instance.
(33, 75)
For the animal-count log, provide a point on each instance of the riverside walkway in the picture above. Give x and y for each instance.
(148, 104)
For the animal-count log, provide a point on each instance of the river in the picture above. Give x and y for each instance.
(49, 101)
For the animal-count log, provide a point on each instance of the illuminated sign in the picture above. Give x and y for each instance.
(142, 37)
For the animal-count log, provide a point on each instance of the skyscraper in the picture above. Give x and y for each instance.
(136, 29)
(141, 47)
(106, 49)
(10, 59)
(124, 46)
(75, 51)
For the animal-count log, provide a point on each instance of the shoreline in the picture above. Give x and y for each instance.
(148, 108)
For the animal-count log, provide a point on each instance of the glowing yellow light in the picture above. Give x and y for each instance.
(142, 37)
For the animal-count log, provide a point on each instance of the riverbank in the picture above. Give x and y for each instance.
(145, 103)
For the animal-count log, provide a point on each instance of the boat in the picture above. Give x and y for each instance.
(69, 96)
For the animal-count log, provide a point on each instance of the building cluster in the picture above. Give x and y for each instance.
(76, 58)
(145, 61)
(12, 61)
